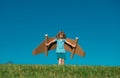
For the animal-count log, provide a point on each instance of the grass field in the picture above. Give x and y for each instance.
(56, 71)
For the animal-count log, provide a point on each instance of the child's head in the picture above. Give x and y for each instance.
(61, 35)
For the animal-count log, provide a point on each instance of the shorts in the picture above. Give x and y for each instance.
(61, 55)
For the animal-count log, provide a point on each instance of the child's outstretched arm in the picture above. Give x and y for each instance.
(47, 44)
(73, 45)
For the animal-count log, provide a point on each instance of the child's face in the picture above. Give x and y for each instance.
(61, 36)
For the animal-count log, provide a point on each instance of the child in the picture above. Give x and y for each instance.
(61, 40)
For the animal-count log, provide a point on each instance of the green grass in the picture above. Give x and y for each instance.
(57, 71)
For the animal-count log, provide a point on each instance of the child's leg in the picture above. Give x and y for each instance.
(62, 61)
(59, 61)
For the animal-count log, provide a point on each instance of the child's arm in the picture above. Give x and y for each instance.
(73, 45)
(47, 44)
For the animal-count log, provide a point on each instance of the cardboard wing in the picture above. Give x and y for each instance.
(42, 47)
(77, 50)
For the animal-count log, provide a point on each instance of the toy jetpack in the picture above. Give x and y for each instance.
(42, 48)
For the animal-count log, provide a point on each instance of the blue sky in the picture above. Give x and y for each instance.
(23, 24)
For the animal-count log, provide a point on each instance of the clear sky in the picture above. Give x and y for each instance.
(23, 24)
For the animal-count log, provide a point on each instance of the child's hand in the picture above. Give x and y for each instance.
(74, 45)
(46, 44)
